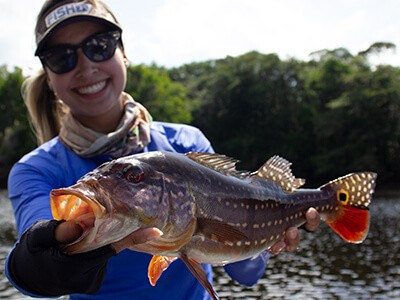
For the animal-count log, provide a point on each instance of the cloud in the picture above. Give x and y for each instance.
(174, 32)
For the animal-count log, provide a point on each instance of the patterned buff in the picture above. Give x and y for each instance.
(131, 135)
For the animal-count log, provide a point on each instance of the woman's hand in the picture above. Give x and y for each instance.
(292, 239)
(69, 231)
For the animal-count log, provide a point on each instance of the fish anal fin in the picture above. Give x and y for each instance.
(278, 170)
(157, 266)
(219, 231)
(198, 272)
(350, 223)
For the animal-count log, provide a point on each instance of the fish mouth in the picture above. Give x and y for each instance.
(78, 205)
(71, 204)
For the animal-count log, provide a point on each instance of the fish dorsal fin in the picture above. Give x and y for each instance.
(278, 170)
(218, 162)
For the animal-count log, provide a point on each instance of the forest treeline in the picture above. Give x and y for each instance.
(329, 116)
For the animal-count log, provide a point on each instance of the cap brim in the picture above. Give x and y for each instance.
(71, 20)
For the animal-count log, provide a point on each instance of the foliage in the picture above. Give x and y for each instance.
(15, 135)
(166, 100)
(331, 115)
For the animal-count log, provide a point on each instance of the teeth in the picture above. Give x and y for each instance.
(92, 89)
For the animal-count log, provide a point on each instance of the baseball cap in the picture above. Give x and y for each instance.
(70, 11)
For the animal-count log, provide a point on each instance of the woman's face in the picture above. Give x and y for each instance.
(91, 90)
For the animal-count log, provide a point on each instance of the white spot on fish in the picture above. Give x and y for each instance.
(228, 243)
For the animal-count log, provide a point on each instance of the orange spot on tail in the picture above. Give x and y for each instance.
(350, 223)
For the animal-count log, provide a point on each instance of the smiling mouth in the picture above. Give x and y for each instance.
(93, 88)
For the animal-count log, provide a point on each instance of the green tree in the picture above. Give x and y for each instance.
(165, 99)
(356, 119)
(251, 106)
(332, 115)
(15, 135)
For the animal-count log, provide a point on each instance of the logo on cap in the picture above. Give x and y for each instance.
(67, 11)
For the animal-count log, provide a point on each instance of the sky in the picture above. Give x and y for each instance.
(174, 32)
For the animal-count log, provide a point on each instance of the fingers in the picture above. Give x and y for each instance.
(67, 232)
(289, 243)
(291, 240)
(138, 237)
(312, 219)
(277, 248)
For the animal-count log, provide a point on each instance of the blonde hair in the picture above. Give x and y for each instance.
(44, 108)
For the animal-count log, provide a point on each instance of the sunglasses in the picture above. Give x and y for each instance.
(97, 47)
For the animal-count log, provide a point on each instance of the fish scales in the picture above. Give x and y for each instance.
(208, 211)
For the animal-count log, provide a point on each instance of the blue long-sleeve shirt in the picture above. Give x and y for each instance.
(52, 166)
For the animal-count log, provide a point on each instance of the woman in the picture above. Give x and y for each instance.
(82, 118)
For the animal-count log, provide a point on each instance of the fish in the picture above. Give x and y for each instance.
(208, 210)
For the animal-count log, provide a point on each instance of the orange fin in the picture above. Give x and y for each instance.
(157, 266)
(351, 223)
(198, 272)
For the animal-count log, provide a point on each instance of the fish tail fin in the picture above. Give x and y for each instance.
(354, 193)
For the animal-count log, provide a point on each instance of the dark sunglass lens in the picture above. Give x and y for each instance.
(101, 47)
(60, 60)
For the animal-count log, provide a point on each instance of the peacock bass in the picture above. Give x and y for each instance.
(208, 211)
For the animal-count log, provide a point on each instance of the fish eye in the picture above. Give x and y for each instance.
(133, 174)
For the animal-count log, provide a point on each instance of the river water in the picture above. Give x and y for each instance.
(325, 267)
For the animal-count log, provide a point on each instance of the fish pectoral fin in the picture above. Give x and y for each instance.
(198, 272)
(157, 266)
(219, 231)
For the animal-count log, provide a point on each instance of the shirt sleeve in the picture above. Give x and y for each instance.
(29, 189)
(249, 271)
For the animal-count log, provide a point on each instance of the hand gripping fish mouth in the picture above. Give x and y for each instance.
(80, 205)
(110, 203)
(71, 204)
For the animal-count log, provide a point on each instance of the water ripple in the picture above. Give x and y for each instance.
(324, 268)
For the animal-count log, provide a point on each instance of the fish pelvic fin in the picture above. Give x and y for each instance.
(157, 266)
(278, 170)
(353, 194)
(198, 272)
